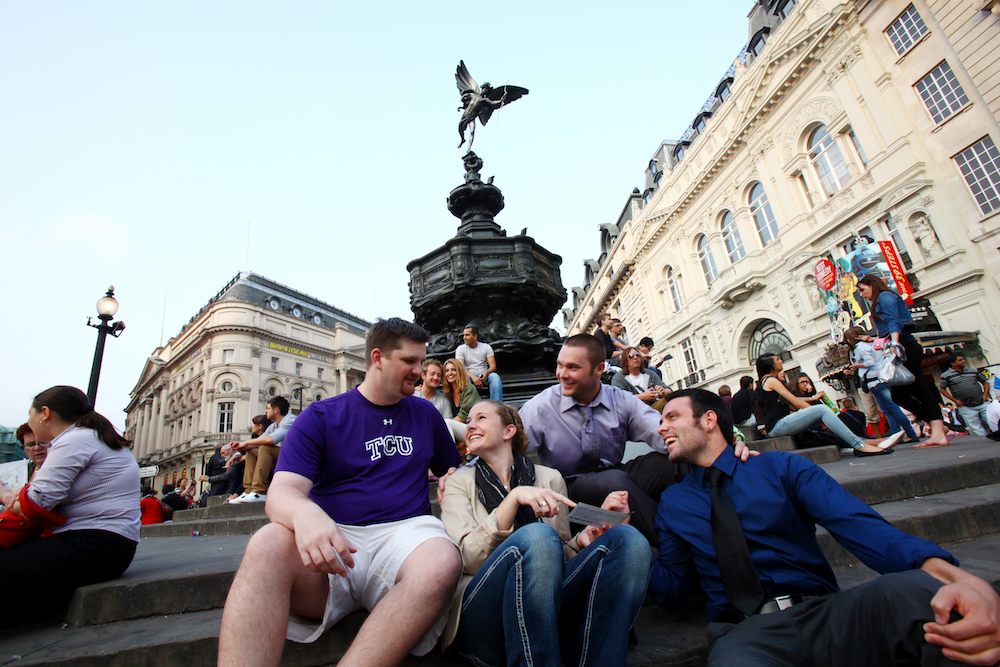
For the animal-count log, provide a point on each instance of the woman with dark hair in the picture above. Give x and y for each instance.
(524, 578)
(804, 388)
(89, 484)
(777, 403)
(893, 320)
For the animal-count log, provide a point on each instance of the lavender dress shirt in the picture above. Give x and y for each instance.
(555, 426)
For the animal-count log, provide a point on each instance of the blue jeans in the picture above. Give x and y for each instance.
(802, 419)
(496, 387)
(975, 418)
(893, 414)
(526, 605)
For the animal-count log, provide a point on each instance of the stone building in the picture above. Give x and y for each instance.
(838, 121)
(253, 340)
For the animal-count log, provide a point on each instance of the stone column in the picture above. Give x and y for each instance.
(158, 400)
(142, 431)
(341, 381)
(255, 382)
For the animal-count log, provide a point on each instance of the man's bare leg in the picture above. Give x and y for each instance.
(424, 586)
(255, 619)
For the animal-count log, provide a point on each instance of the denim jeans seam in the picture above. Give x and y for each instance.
(597, 550)
(519, 605)
(496, 563)
(585, 647)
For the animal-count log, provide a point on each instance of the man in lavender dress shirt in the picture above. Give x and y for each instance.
(581, 407)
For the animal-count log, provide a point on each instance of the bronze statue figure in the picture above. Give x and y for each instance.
(480, 101)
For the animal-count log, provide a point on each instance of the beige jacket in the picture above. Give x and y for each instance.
(475, 530)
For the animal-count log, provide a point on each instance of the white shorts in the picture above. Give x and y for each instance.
(381, 550)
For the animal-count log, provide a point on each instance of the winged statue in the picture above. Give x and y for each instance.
(480, 101)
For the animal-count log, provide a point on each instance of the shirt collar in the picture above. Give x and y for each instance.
(603, 398)
(56, 440)
(726, 462)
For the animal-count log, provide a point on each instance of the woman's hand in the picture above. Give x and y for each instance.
(617, 501)
(8, 496)
(585, 537)
(545, 502)
(647, 396)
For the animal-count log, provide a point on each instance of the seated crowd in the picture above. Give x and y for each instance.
(505, 577)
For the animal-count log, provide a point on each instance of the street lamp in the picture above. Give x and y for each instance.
(301, 390)
(107, 306)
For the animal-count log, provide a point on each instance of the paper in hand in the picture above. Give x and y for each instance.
(589, 515)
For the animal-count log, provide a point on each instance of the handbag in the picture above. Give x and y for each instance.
(891, 370)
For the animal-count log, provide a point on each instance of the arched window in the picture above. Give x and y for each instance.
(707, 261)
(760, 209)
(768, 336)
(828, 161)
(731, 235)
(675, 289)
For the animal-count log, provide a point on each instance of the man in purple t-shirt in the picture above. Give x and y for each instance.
(351, 526)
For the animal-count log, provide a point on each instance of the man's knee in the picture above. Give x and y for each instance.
(271, 546)
(588, 488)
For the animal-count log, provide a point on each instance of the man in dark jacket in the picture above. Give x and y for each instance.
(742, 401)
(216, 473)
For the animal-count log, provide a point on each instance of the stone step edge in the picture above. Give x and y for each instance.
(970, 519)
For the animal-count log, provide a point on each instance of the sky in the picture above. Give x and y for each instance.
(162, 147)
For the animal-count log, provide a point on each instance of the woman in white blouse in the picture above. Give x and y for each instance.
(90, 485)
(642, 382)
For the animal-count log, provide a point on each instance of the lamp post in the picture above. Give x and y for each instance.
(302, 389)
(107, 306)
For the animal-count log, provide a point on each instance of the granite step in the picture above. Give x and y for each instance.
(243, 525)
(183, 639)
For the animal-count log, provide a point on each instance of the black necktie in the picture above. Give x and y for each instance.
(739, 577)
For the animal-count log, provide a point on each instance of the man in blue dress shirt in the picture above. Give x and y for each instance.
(929, 613)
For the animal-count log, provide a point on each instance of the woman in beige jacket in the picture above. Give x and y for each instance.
(530, 593)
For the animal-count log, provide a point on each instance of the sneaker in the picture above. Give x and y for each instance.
(252, 498)
(238, 499)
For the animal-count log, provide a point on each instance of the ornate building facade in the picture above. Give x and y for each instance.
(868, 119)
(253, 340)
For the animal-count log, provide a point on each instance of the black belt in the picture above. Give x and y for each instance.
(779, 603)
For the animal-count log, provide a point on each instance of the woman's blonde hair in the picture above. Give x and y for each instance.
(509, 417)
(460, 381)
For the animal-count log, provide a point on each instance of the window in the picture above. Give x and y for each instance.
(689, 361)
(731, 236)
(227, 386)
(679, 152)
(707, 261)
(980, 164)
(271, 392)
(906, 30)
(319, 373)
(723, 91)
(760, 209)
(941, 92)
(699, 125)
(785, 7)
(274, 363)
(675, 289)
(298, 368)
(227, 356)
(826, 158)
(758, 41)
(226, 417)
(805, 189)
(897, 238)
(857, 147)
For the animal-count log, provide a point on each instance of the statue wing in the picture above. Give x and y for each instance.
(464, 80)
(504, 95)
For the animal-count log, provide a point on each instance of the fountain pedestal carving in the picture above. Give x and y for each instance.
(508, 286)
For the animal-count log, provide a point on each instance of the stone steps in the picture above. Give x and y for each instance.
(166, 609)
(191, 638)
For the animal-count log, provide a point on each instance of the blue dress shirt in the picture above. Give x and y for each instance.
(891, 314)
(554, 424)
(780, 498)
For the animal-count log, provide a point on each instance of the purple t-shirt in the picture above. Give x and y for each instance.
(368, 463)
